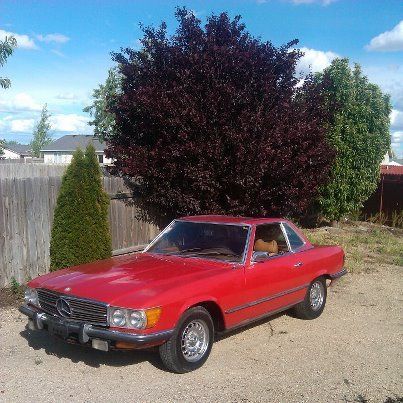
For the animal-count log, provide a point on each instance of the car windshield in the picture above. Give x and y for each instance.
(199, 239)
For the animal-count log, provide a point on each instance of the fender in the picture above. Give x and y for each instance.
(320, 273)
(196, 301)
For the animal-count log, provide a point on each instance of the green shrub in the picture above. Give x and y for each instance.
(80, 231)
(358, 129)
(15, 286)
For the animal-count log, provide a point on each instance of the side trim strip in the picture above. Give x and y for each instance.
(338, 274)
(265, 299)
(265, 315)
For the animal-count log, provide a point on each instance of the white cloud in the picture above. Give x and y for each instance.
(71, 123)
(389, 41)
(322, 2)
(70, 96)
(397, 137)
(22, 125)
(397, 143)
(9, 125)
(396, 120)
(390, 80)
(23, 41)
(53, 38)
(20, 103)
(60, 124)
(314, 60)
(396, 125)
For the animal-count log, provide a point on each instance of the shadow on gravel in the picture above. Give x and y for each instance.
(260, 322)
(80, 353)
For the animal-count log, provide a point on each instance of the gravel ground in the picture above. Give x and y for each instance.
(352, 353)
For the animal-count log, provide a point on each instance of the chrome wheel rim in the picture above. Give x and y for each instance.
(195, 340)
(316, 295)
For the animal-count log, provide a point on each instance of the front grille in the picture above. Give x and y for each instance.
(82, 310)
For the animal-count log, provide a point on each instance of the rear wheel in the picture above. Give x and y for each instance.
(191, 343)
(315, 299)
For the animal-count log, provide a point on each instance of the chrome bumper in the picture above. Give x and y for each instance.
(85, 332)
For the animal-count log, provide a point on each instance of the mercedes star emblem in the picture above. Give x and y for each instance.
(63, 308)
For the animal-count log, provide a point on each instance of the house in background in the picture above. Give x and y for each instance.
(388, 198)
(61, 150)
(16, 151)
(387, 160)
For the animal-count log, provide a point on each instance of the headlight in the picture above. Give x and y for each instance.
(134, 318)
(119, 318)
(31, 296)
(137, 319)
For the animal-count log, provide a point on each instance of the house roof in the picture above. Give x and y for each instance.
(22, 149)
(392, 169)
(74, 141)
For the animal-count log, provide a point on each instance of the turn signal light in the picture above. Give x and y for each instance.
(153, 316)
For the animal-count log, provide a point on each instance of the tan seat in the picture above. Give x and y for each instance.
(270, 247)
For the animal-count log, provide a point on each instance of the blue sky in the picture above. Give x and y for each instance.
(64, 48)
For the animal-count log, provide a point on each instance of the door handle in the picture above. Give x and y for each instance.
(299, 264)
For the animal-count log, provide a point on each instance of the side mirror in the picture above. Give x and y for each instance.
(259, 257)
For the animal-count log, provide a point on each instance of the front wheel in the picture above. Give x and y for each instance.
(191, 343)
(315, 299)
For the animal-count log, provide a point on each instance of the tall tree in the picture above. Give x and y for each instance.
(2, 144)
(6, 49)
(103, 102)
(80, 231)
(41, 135)
(358, 128)
(211, 120)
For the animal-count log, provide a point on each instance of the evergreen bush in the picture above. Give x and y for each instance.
(80, 231)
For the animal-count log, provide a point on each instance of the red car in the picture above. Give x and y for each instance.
(202, 275)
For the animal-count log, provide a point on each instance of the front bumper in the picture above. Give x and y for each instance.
(85, 332)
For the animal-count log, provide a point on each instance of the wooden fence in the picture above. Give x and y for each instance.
(28, 194)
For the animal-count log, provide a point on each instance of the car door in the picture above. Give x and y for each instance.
(275, 282)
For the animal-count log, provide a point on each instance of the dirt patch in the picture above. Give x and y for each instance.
(352, 353)
(11, 298)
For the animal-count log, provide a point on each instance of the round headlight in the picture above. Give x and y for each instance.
(119, 318)
(137, 319)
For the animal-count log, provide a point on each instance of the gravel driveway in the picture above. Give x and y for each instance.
(353, 352)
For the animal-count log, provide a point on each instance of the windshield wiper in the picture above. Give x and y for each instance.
(215, 252)
(189, 250)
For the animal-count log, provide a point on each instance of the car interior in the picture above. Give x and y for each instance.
(269, 239)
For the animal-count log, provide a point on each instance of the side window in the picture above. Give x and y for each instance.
(269, 238)
(294, 239)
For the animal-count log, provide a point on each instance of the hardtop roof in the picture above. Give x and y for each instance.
(225, 219)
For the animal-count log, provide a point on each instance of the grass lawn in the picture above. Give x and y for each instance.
(367, 246)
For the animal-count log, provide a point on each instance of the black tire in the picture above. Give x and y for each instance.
(307, 309)
(171, 352)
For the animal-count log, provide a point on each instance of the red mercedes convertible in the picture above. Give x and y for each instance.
(201, 276)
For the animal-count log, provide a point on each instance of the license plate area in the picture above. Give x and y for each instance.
(58, 329)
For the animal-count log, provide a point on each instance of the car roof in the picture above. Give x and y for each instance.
(225, 219)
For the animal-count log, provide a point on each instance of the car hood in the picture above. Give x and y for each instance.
(144, 274)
